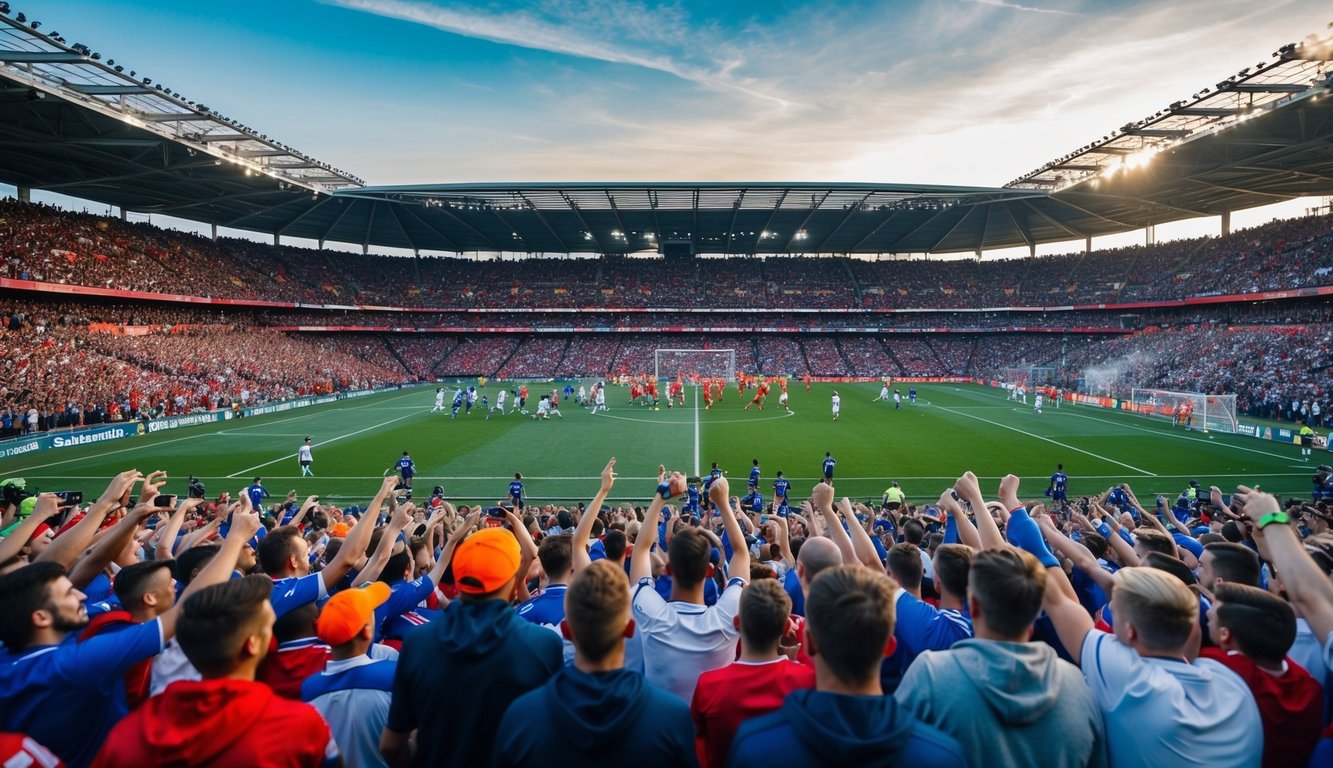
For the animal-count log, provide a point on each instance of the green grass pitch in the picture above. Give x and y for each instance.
(952, 429)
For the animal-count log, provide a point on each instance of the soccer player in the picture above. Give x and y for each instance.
(897, 400)
(782, 397)
(305, 458)
(1059, 482)
(516, 491)
(708, 396)
(911, 395)
(458, 403)
(759, 393)
(780, 488)
(553, 407)
(486, 407)
(407, 469)
(543, 409)
(471, 400)
(883, 393)
(807, 382)
(837, 404)
(599, 398)
(257, 493)
(829, 464)
(522, 399)
(500, 400)
(1036, 402)
(439, 400)
(754, 476)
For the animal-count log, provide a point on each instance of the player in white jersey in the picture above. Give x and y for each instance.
(599, 398)
(1036, 402)
(543, 409)
(583, 396)
(782, 399)
(439, 400)
(837, 404)
(897, 400)
(306, 458)
(500, 400)
(1022, 394)
(883, 394)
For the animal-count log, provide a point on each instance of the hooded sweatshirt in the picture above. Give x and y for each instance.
(1037, 708)
(596, 719)
(457, 675)
(816, 728)
(219, 723)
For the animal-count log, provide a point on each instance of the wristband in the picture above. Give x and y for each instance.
(1272, 518)
(664, 491)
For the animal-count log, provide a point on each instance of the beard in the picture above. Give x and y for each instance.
(64, 623)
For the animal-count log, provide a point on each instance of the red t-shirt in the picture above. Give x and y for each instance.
(220, 723)
(285, 669)
(724, 698)
(1291, 706)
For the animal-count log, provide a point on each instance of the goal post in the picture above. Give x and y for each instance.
(707, 363)
(1195, 410)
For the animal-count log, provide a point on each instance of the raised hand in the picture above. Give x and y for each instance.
(244, 524)
(152, 486)
(967, 486)
(821, 496)
(1256, 504)
(120, 485)
(609, 475)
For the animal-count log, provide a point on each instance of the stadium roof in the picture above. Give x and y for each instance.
(74, 123)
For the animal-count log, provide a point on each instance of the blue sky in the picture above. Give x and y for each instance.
(934, 91)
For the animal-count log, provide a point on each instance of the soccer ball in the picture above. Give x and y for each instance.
(657, 409)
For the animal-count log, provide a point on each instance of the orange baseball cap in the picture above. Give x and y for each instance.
(340, 530)
(485, 561)
(348, 611)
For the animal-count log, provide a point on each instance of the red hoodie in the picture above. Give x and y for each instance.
(219, 723)
(137, 677)
(1291, 706)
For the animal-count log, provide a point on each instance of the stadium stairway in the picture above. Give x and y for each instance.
(889, 351)
(398, 357)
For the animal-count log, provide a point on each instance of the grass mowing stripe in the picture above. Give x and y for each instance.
(1049, 440)
(247, 471)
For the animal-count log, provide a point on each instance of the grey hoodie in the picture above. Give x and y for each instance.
(1008, 704)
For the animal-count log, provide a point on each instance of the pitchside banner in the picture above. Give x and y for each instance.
(21, 446)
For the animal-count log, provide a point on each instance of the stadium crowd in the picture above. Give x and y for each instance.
(693, 629)
(46, 244)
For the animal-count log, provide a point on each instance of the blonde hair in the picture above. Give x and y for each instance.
(1161, 608)
(597, 608)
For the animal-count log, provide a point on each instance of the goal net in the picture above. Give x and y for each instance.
(1194, 410)
(706, 363)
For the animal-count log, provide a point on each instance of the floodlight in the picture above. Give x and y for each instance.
(4, 8)
(21, 18)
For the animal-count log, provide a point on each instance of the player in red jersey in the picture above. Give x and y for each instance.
(708, 396)
(807, 382)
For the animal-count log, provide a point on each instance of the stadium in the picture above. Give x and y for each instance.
(314, 332)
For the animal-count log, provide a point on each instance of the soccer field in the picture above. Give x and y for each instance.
(952, 429)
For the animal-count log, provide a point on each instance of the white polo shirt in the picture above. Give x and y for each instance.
(683, 640)
(1163, 712)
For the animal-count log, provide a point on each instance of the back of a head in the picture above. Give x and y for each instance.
(614, 545)
(688, 556)
(296, 624)
(905, 565)
(914, 532)
(1235, 563)
(849, 616)
(216, 620)
(1162, 609)
(22, 592)
(193, 560)
(765, 609)
(952, 563)
(1262, 625)
(1008, 585)
(557, 555)
(1172, 565)
(817, 555)
(1155, 541)
(1096, 544)
(277, 548)
(597, 609)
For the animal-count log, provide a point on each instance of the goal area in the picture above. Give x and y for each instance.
(705, 363)
(1193, 410)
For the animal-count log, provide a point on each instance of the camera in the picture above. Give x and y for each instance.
(14, 491)
(69, 498)
(195, 490)
(495, 512)
(164, 500)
